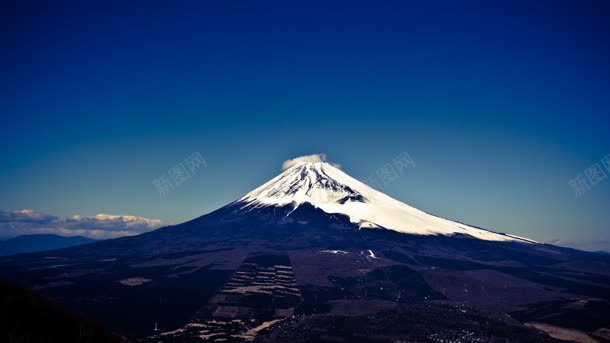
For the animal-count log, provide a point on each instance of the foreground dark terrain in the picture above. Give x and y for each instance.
(28, 317)
(311, 276)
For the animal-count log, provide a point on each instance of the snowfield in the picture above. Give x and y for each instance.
(333, 191)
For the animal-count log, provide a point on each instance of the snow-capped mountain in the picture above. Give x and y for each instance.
(333, 191)
(291, 252)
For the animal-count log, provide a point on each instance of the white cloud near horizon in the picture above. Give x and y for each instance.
(591, 245)
(100, 226)
(307, 158)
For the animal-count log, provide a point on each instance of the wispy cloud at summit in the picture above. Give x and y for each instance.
(307, 158)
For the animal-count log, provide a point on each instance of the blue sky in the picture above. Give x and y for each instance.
(499, 103)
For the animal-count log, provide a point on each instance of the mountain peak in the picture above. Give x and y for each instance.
(313, 182)
(329, 189)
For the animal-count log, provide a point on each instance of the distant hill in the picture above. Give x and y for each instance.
(35, 243)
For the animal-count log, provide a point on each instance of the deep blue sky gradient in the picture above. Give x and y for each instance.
(500, 103)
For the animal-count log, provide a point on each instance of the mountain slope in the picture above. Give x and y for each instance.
(331, 190)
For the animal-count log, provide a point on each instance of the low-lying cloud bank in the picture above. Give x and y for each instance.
(307, 158)
(594, 245)
(100, 226)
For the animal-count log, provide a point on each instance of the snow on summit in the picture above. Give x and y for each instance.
(333, 191)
